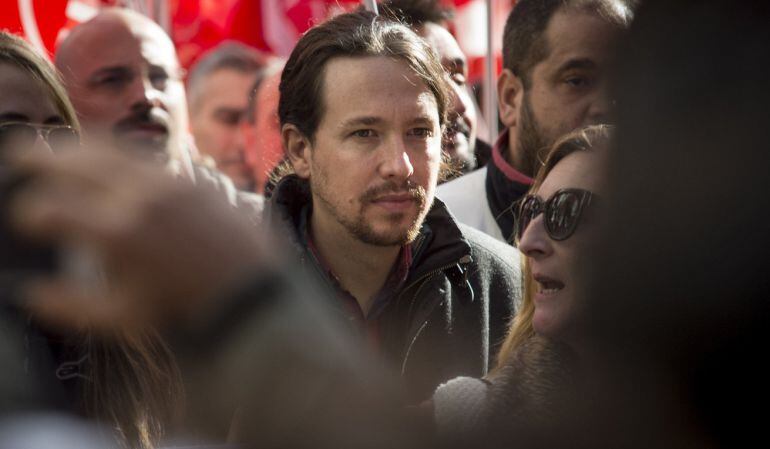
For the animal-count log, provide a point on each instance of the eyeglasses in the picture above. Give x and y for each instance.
(562, 212)
(23, 135)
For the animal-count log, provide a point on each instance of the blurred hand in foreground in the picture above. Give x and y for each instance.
(168, 247)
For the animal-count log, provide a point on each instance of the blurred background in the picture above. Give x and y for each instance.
(272, 26)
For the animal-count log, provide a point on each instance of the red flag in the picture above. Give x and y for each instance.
(39, 21)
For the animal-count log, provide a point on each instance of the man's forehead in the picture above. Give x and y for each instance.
(578, 34)
(374, 90)
(228, 86)
(357, 80)
(445, 45)
(113, 41)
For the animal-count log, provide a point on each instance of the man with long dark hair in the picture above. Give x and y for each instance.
(363, 106)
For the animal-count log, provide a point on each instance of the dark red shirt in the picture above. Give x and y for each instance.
(368, 323)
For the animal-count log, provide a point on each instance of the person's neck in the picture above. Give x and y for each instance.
(515, 158)
(361, 268)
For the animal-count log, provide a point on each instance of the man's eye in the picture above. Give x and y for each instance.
(579, 81)
(113, 80)
(229, 118)
(363, 133)
(159, 79)
(421, 132)
(459, 79)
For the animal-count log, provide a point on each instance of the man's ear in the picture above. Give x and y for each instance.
(297, 148)
(510, 92)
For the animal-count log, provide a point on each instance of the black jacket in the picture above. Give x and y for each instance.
(455, 307)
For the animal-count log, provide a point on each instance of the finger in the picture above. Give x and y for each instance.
(65, 305)
(49, 211)
(109, 171)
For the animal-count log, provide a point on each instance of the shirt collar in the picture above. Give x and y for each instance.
(501, 145)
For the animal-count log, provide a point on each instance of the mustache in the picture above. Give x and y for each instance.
(143, 118)
(416, 192)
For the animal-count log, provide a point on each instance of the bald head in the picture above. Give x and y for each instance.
(122, 73)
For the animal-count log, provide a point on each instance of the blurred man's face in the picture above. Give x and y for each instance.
(460, 135)
(263, 138)
(124, 80)
(215, 116)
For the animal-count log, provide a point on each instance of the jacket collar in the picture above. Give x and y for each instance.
(440, 242)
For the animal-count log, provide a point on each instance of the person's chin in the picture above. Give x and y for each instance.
(390, 233)
(545, 324)
(239, 174)
(154, 147)
(550, 319)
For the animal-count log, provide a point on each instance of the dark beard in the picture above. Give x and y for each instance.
(531, 145)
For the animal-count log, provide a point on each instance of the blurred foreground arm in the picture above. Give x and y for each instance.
(248, 334)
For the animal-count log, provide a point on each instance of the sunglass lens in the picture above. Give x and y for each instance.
(529, 210)
(63, 138)
(16, 136)
(562, 215)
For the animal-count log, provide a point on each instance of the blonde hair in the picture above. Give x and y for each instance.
(16, 51)
(521, 329)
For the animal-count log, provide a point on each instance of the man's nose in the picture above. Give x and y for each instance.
(599, 111)
(144, 94)
(456, 103)
(396, 163)
(239, 137)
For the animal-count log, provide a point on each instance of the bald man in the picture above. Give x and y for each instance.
(123, 76)
(122, 73)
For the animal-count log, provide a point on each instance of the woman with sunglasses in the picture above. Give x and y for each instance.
(128, 383)
(555, 220)
(534, 369)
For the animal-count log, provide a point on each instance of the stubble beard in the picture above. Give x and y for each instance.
(532, 144)
(362, 230)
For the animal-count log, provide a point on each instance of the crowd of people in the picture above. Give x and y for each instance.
(321, 252)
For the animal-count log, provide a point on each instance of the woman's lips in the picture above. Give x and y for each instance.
(547, 285)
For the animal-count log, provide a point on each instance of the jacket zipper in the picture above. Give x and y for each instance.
(464, 260)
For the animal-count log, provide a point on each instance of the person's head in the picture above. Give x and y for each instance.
(217, 94)
(555, 224)
(34, 108)
(555, 54)
(362, 109)
(122, 74)
(262, 129)
(428, 19)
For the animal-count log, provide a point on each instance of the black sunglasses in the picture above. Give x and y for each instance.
(562, 212)
(22, 135)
